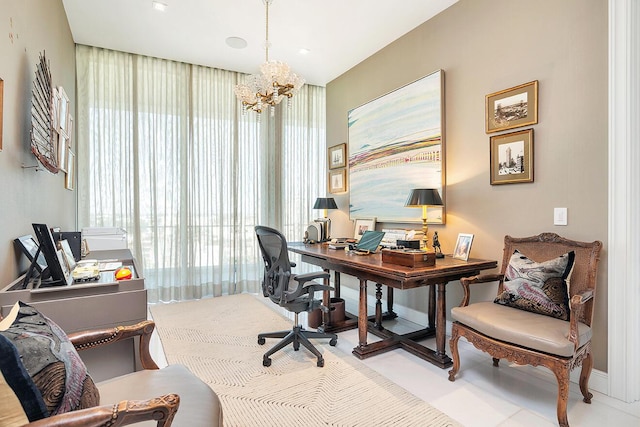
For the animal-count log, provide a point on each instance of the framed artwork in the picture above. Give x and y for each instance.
(463, 246)
(338, 181)
(337, 156)
(29, 247)
(511, 157)
(71, 170)
(63, 111)
(396, 143)
(512, 108)
(62, 151)
(1, 104)
(361, 225)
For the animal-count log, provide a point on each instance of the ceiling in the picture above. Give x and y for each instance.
(338, 33)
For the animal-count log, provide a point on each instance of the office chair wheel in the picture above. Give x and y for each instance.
(266, 361)
(261, 340)
(333, 342)
(320, 363)
(296, 346)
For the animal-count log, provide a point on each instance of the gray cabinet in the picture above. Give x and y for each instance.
(101, 304)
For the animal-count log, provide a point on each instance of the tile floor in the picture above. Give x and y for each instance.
(482, 396)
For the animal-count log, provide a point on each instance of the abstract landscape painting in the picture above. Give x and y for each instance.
(396, 144)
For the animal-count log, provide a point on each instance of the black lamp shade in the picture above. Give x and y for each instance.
(325, 203)
(423, 197)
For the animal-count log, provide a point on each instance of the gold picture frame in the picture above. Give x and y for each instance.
(511, 157)
(337, 156)
(70, 178)
(512, 108)
(338, 181)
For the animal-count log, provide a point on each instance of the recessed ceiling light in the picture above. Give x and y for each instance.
(159, 6)
(304, 51)
(236, 42)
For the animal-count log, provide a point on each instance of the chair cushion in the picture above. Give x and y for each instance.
(541, 333)
(539, 287)
(199, 405)
(50, 359)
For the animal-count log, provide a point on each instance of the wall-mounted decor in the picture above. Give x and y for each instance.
(71, 171)
(512, 108)
(64, 112)
(43, 138)
(511, 157)
(463, 246)
(363, 224)
(337, 156)
(338, 181)
(1, 104)
(396, 143)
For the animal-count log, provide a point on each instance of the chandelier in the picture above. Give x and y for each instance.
(274, 83)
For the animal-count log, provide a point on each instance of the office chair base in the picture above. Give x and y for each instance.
(296, 336)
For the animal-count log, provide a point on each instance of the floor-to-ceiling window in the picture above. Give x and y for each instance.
(165, 152)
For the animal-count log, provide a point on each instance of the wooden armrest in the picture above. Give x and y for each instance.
(576, 305)
(483, 278)
(161, 409)
(96, 338)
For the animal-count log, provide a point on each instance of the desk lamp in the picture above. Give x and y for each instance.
(422, 198)
(325, 203)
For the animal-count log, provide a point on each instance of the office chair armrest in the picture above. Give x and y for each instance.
(302, 278)
(483, 278)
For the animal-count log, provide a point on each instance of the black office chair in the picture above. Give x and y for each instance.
(294, 292)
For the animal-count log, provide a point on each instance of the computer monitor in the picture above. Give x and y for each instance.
(56, 274)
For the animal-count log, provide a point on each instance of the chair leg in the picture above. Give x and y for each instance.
(453, 344)
(585, 373)
(266, 361)
(562, 375)
(280, 334)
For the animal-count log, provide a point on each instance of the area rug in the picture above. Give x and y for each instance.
(217, 339)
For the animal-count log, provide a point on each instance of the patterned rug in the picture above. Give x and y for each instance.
(217, 339)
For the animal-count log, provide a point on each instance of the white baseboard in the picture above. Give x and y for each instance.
(599, 381)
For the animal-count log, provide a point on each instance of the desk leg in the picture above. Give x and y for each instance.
(390, 313)
(336, 284)
(377, 323)
(441, 323)
(432, 306)
(362, 315)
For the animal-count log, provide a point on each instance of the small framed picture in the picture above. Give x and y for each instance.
(512, 108)
(337, 156)
(29, 247)
(71, 170)
(511, 158)
(62, 151)
(338, 181)
(63, 112)
(362, 225)
(463, 246)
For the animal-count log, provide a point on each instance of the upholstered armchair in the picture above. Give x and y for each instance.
(46, 382)
(543, 313)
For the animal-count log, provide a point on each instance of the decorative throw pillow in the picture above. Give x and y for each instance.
(20, 399)
(539, 287)
(50, 359)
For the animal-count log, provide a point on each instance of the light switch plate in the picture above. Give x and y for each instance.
(559, 216)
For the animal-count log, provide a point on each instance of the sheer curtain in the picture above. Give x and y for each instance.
(165, 153)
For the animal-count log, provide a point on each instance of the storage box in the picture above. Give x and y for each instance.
(409, 257)
(105, 238)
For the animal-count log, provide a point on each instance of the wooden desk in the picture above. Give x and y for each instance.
(371, 268)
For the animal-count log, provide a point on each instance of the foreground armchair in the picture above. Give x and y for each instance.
(44, 380)
(543, 313)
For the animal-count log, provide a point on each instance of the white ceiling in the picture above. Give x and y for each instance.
(338, 33)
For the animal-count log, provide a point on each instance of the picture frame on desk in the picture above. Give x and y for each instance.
(361, 225)
(463, 246)
(29, 247)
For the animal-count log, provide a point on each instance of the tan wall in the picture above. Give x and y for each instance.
(485, 46)
(28, 28)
